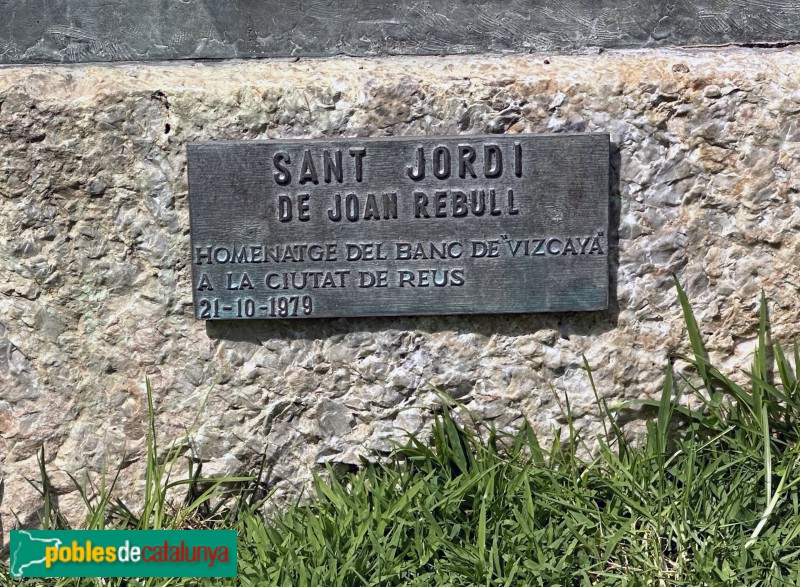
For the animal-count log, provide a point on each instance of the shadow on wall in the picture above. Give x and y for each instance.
(566, 323)
(32, 521)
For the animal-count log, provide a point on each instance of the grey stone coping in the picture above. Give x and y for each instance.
(65, 31)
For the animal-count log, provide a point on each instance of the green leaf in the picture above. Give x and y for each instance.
(700, 353)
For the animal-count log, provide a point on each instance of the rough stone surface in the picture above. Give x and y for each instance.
(120, 30)
(95, 291)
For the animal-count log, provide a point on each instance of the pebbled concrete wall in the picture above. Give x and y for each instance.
(119, 30)
(95, 290)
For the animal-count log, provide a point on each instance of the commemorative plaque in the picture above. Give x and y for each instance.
(399, 226)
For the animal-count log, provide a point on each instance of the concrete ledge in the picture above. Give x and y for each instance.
(118, 30)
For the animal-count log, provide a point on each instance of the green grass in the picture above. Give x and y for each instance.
(709, 498)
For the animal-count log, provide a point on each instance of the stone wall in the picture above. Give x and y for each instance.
(95, 290)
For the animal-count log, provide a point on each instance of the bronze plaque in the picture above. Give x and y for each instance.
(399, 226)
